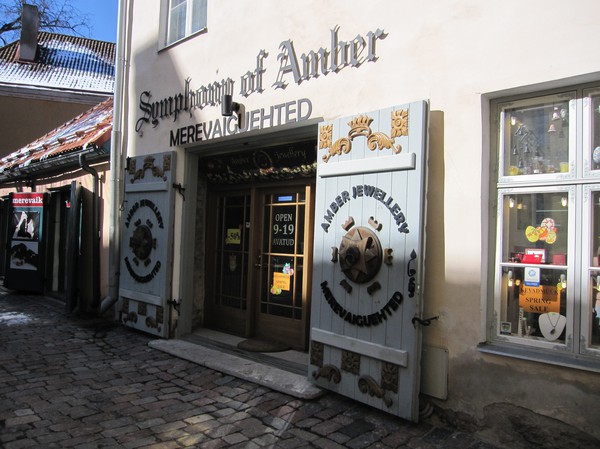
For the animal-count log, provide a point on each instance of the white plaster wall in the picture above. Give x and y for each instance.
(450, 53)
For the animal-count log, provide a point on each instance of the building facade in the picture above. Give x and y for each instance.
(56, 123)
(54, 214)
(409, 193)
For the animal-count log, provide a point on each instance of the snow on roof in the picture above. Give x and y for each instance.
(62, 62)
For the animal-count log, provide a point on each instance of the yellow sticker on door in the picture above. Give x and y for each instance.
(281, 282)
(234, 236)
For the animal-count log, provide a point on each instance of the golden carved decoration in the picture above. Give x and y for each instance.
(157, 172)
(389, 376)
(142, 308)
(151, 322)
(131, 316)
(360, 126)
(329, 372)
(381, 141)
(316, 353)
(325, 136)
(351, 362)
(167, 162)
(131, 167)
(343, 145)
(399, 123)
(368, 385)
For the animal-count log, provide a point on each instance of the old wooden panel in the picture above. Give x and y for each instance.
(146, 245)
(368, 254)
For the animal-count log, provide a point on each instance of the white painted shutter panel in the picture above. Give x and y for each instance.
(147, 243)
(368, 254)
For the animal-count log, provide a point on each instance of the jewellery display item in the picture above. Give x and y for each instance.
(552, 325)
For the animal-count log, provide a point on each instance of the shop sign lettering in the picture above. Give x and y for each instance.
(283, 229)
(365, 190)
(142, 242)
(362, 320)
(277, 115)
(307, 66)
(542, 299)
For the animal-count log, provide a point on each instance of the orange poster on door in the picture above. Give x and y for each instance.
(281, 281)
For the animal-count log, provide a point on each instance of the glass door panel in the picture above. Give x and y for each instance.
(227, 262)
(282, 288)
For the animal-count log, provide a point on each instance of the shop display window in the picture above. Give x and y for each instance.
(592, 103)
(534, 260)
(593, 329)
(537, 138)
(547, 258)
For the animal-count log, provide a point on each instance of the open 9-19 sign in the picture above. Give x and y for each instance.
(368, 253)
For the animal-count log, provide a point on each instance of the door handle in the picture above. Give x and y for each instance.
(258, 263)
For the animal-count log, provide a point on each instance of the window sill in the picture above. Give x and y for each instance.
(541, 356)
(166, 46)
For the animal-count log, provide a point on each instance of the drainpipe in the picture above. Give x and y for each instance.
(118, 136)
(95, 232)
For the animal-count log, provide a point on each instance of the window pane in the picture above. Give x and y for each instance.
(186, 17)
(198, 15)
(177, 17)
(536, 137)
(535, 228)
(594, 316)
(595, 130)
(533, 303)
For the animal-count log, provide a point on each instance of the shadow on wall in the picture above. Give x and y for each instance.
(435, 286)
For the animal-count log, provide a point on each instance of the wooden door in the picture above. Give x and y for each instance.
(227, 261)
(147, 243)
(282, 276)
(368, 255)
(258, 245)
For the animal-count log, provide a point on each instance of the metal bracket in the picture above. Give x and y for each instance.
(175, 304)
(424, 322)
(179, 188)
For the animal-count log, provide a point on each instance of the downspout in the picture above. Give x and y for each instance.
(116, 156)
(95, 231)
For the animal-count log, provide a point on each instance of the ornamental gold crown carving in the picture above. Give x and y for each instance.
(360, 126)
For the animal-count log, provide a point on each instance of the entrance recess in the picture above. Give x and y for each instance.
(256, 260)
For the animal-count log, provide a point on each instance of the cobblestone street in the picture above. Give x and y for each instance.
(67, 382)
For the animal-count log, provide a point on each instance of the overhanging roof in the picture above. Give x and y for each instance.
(88, 132)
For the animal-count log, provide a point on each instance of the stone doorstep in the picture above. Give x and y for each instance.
(268, 376)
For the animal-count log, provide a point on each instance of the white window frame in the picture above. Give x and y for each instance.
(165, 21)
(580, 184)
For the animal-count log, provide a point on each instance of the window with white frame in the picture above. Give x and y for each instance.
(185, 17)
(547, 257)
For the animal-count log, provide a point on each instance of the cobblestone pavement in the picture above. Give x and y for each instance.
(76, 383)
